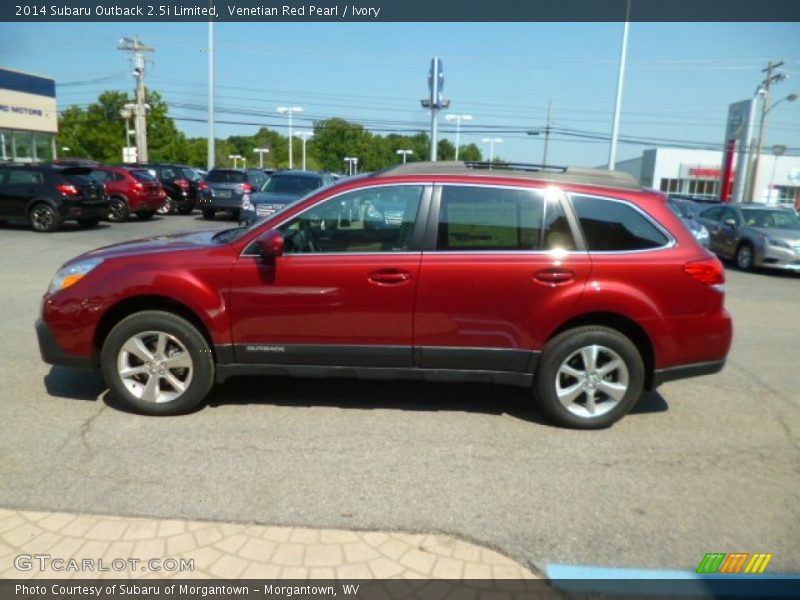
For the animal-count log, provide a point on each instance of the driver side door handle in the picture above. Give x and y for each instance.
(389, 277)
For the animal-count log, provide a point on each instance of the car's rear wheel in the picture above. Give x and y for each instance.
(118, 210)
(157, 363)
(589, 377)
(44, 218)
(744, 257)
(208, 213)
(167, 208)
(145, 215)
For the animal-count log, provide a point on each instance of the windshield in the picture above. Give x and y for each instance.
(229, 235)
(291, 184)
(221, 176)
(770, 219)
(683, 209)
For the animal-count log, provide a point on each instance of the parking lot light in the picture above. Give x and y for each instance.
(289, 111)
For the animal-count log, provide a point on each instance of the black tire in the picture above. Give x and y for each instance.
(168, 207)
(145, 215)
(181, 333)
(43, 218)
(566, 346)
(89, 223)
(118, 210)
(744, 257)
(208, 213)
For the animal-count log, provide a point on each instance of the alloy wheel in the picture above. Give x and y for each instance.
(155, 366)
(42, 218)
(591, 381)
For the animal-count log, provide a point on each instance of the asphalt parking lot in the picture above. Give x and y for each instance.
(704, 465)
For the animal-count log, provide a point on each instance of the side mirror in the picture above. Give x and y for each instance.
(730, 223)
(270, 244)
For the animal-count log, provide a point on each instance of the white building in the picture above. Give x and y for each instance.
(697, 173)
(28, 117)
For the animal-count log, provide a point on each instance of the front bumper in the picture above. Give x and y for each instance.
(53, 354)
(776, 257)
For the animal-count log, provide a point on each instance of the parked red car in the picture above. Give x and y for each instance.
(576, 284)
(130, 191)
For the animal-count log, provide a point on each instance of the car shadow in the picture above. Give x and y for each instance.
(357, 394)
(74, 384)
(66, 227)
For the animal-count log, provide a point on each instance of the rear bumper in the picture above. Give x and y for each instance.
(53, 354)
(685, 371)
(88, 209)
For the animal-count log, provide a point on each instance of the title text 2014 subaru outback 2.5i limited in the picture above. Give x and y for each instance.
(575, 283)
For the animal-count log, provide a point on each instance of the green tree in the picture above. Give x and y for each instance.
(98, 131)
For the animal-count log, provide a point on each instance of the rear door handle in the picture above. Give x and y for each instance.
(554, 276)
(389, 276)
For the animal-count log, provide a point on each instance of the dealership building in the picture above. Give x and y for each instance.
(699, 172)
(28, 117)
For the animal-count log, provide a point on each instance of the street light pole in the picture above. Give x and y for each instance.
(458, 119)
(492, 142)
(405, 154)
(304, 135)
(612, 153)
(762, 126)
(261, 152)
(290, 111)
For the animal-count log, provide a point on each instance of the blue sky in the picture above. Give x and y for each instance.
(680, 79)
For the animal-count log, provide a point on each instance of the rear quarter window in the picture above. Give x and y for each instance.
(615, 226)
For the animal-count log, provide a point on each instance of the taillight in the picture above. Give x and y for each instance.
(182, 183)
(708, 270)
(68, 189)
(202, 185)
(138, 186)
(246, 188)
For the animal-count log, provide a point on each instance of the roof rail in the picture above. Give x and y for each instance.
(516, 171)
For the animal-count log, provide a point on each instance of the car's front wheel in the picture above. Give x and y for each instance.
(44, 218)
(744, 257)
(157, 363)
(168, 207)
(118, 210)
(589, 377)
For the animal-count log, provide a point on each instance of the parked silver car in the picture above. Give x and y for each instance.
(754, 235)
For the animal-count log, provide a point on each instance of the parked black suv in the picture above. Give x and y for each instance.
(226, 187)
(181, 183)
(47, 195)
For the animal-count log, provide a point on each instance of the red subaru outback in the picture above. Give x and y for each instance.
(576, 284)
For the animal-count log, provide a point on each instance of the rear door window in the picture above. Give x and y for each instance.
(24, 177)
(615, 226)
(142, 175)
(489, 219)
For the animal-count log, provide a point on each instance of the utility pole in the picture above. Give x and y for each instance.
(435, 102)
(211, 159)
(547, 129)
(765, 108)
(138, 49)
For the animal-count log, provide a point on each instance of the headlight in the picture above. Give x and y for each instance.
(72, 274)
(702, 233)
(778, 243)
